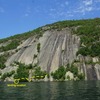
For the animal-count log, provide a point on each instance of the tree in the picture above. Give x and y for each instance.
(59, 73)
(38, 47)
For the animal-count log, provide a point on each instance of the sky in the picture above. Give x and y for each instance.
(19, 16)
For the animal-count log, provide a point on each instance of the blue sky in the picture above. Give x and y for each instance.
(18, 16)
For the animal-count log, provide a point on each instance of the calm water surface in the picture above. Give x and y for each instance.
(80, 90)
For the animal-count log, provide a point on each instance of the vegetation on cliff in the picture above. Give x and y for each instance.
(23, 71)
(39, 74)
(3, 59)
(9, 74)
(60, 73)
(16, 40)
(10, 46)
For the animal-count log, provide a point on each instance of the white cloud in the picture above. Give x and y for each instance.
(88, 2)
(84, 7)
(81, 8)
(89, 9)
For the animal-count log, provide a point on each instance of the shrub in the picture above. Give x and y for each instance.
(4, 76)
(38, 47)
(84, 51)
(8, 74)
(72, 69)
(35, 56)
(22, 72)
(39, 74)
(90, 37)
(3, 59)
(2, 66)
(81, 76)
(95, 49)
(59, 74)
(12, 45)
(30, 66)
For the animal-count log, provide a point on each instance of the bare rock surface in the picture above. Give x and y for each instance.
(69, 76)
(56, 48)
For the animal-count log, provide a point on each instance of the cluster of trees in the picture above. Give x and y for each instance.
(59, 74)
(2, 62)
(19, 37)
(9, 74)
(71, 23)
(3, 59)
(39, 74)
(72, 68)
(12, 45)
(90, 37)
(93, 50)
(23, 72)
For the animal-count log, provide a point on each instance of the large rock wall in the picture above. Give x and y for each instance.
(57, 48)
(89, 66)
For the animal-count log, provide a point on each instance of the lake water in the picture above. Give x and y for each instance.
(79, 90)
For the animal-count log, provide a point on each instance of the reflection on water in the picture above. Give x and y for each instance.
(79, 90)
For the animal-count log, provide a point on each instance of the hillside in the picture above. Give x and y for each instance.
(65, 50)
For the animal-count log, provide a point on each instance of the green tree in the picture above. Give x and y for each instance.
(59, 74)
(39, 74)
(38, 47)
(22, 72)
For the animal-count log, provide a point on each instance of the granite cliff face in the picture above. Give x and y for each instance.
(52, 50)
(56, 48)
(89, 66)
